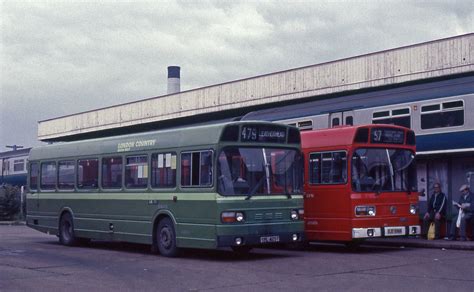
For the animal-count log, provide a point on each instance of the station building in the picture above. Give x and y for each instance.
(428, 87)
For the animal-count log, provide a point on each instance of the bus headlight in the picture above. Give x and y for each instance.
(297, 214)
(232, 217)
(239, 216)
(365, 211)
(412, 209)
(294, 215)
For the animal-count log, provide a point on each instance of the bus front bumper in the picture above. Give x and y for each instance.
(386, 231)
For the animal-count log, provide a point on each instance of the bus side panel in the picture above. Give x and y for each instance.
(195, 215)
(327, 211)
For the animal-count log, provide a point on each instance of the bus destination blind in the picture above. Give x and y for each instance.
(272, 134)
(387, 136)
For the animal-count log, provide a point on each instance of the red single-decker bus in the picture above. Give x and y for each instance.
(360, 182)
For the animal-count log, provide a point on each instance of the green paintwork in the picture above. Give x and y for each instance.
(134, 213)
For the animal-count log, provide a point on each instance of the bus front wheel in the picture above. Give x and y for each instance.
(166, 238)
(66, 231)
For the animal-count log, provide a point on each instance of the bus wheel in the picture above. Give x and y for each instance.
(66, 231)
(166, 238)
(242, 250)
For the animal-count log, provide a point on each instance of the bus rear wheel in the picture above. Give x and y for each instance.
(166, 238)
(66, 231)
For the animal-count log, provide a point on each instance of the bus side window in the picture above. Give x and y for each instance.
(112, 172)
(196, 168)
(328, 167)
(163, 170)
(87, 173)
(48, 175)
(66, 175)
(136, 172)
(186, 169)
(315, 168)
(34, 176)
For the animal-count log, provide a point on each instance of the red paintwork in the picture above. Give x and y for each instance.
(329, 209)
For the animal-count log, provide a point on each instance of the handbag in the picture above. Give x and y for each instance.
(431, 232)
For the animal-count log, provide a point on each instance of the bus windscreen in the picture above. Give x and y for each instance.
(383, 170)
(259, 171)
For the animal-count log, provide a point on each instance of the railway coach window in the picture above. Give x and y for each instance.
(18, 165)
(136, 172)
(112, 172)
(446, 114)
(196, 168)
(34, 169)
(399, 117)
(163, 170)
(328, 167)
(66, 175)
(87, 173)
(48, 175)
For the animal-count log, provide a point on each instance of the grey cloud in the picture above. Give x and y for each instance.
(61, 58)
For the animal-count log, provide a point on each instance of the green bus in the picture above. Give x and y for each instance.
(236, 184)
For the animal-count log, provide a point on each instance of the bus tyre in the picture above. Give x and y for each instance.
(166, 238)
(66, 231)
(242, 250)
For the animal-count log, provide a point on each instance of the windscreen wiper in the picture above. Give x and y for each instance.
(255, 188)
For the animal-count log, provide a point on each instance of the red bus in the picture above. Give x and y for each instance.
(360, 182)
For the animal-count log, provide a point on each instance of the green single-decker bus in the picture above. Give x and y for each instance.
(236, 184)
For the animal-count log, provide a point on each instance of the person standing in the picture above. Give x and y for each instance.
(466, 211)
(436, 211)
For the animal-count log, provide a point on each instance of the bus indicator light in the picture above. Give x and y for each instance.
(232, 217)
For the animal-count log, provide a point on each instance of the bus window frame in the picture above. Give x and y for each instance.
(88, 190)
(213, 168)
(178, 167)
(74, 188)
(124, 172)
(30, 163)
(122, 184)
(329, 151)
(55, 188)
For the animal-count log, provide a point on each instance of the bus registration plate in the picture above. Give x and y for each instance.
(269, 239)
(394, 231)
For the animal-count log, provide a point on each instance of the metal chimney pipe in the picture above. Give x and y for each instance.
(174, 79)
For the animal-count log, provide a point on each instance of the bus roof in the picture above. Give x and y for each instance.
(337, 136)
(161, 139)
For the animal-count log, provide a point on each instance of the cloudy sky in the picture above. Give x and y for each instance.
(64, 57)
